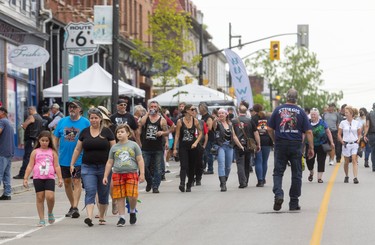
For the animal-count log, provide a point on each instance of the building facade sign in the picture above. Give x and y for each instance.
(28, 56)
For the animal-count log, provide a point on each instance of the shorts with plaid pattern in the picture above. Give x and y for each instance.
(125, 185)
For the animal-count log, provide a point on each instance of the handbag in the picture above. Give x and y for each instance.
(326, 147)
(251, 144)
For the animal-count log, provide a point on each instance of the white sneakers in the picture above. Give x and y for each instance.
(331, 162)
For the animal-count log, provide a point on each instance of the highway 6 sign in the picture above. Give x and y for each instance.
(79, 39)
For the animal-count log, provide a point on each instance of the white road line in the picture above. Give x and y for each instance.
(23, 234)
(11, 232)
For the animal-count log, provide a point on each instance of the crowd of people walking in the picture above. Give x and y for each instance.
(109, 155)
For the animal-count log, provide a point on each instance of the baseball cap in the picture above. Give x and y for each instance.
(121, 101)
(55, 105)
(76, 103)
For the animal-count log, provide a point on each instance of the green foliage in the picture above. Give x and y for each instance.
(298, 69)
(169, 29)
(259, 99)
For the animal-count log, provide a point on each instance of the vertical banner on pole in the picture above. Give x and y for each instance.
(103, 21)
(240, 80)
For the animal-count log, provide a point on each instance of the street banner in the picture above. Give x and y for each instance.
(103, 22)
(240, 79)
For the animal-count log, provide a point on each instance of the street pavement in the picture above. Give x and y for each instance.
(332, 213)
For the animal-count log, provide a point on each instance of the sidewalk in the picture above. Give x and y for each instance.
(17, 184)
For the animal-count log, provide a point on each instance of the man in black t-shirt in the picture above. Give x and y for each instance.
(123, 117)
(208, 158)
(154, 128)
(244, 128)
(32, 126)
(46, 119)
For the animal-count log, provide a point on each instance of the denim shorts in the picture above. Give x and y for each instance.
(92, 176)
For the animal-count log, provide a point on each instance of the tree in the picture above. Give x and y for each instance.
(300, 70)
(169, 28)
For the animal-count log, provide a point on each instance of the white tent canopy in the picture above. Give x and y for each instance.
(190, 94)
(95, 81)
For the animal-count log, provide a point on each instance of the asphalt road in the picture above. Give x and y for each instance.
(332, 213)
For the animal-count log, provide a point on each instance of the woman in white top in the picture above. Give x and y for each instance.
(349, 134)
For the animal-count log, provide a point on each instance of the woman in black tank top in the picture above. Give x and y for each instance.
(188, 135)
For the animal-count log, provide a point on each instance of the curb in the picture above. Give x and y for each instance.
(20, 188)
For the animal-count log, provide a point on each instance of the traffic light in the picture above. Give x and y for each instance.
(275, 50)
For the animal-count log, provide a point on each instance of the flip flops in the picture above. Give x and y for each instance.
(102, 222)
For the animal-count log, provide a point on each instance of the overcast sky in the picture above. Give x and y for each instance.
(341, 34)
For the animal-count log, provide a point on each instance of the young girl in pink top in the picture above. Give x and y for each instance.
(44, 163)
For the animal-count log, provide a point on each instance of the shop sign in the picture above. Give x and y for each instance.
(28, 56)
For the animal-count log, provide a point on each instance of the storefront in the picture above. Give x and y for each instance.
(18, 86)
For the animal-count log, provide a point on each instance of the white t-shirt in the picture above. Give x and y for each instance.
(350, 130)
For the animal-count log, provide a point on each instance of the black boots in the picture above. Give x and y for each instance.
(223, 183)
(182, 187)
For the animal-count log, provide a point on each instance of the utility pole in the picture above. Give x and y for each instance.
(230, 47)
(115, 57)
(200, 65)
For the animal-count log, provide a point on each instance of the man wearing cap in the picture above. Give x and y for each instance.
(56, 116)
(333, 119)
(6, 152)
(123, 117)
(286, 126)
(66, 136)
(33, 125)
(369, 135)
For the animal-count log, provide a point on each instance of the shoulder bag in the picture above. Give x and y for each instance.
(250, 142)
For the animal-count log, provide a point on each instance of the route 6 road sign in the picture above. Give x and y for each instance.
(79, 39)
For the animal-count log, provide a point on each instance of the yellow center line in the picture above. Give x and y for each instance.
(320, 220)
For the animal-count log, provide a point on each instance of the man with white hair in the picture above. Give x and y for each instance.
(56, 116)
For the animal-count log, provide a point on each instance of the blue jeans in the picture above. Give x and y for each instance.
(208, 157)
(288, 151)
(92, 176)
(5, 164)
(152, 161)
(261, 162)
(224, 159)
